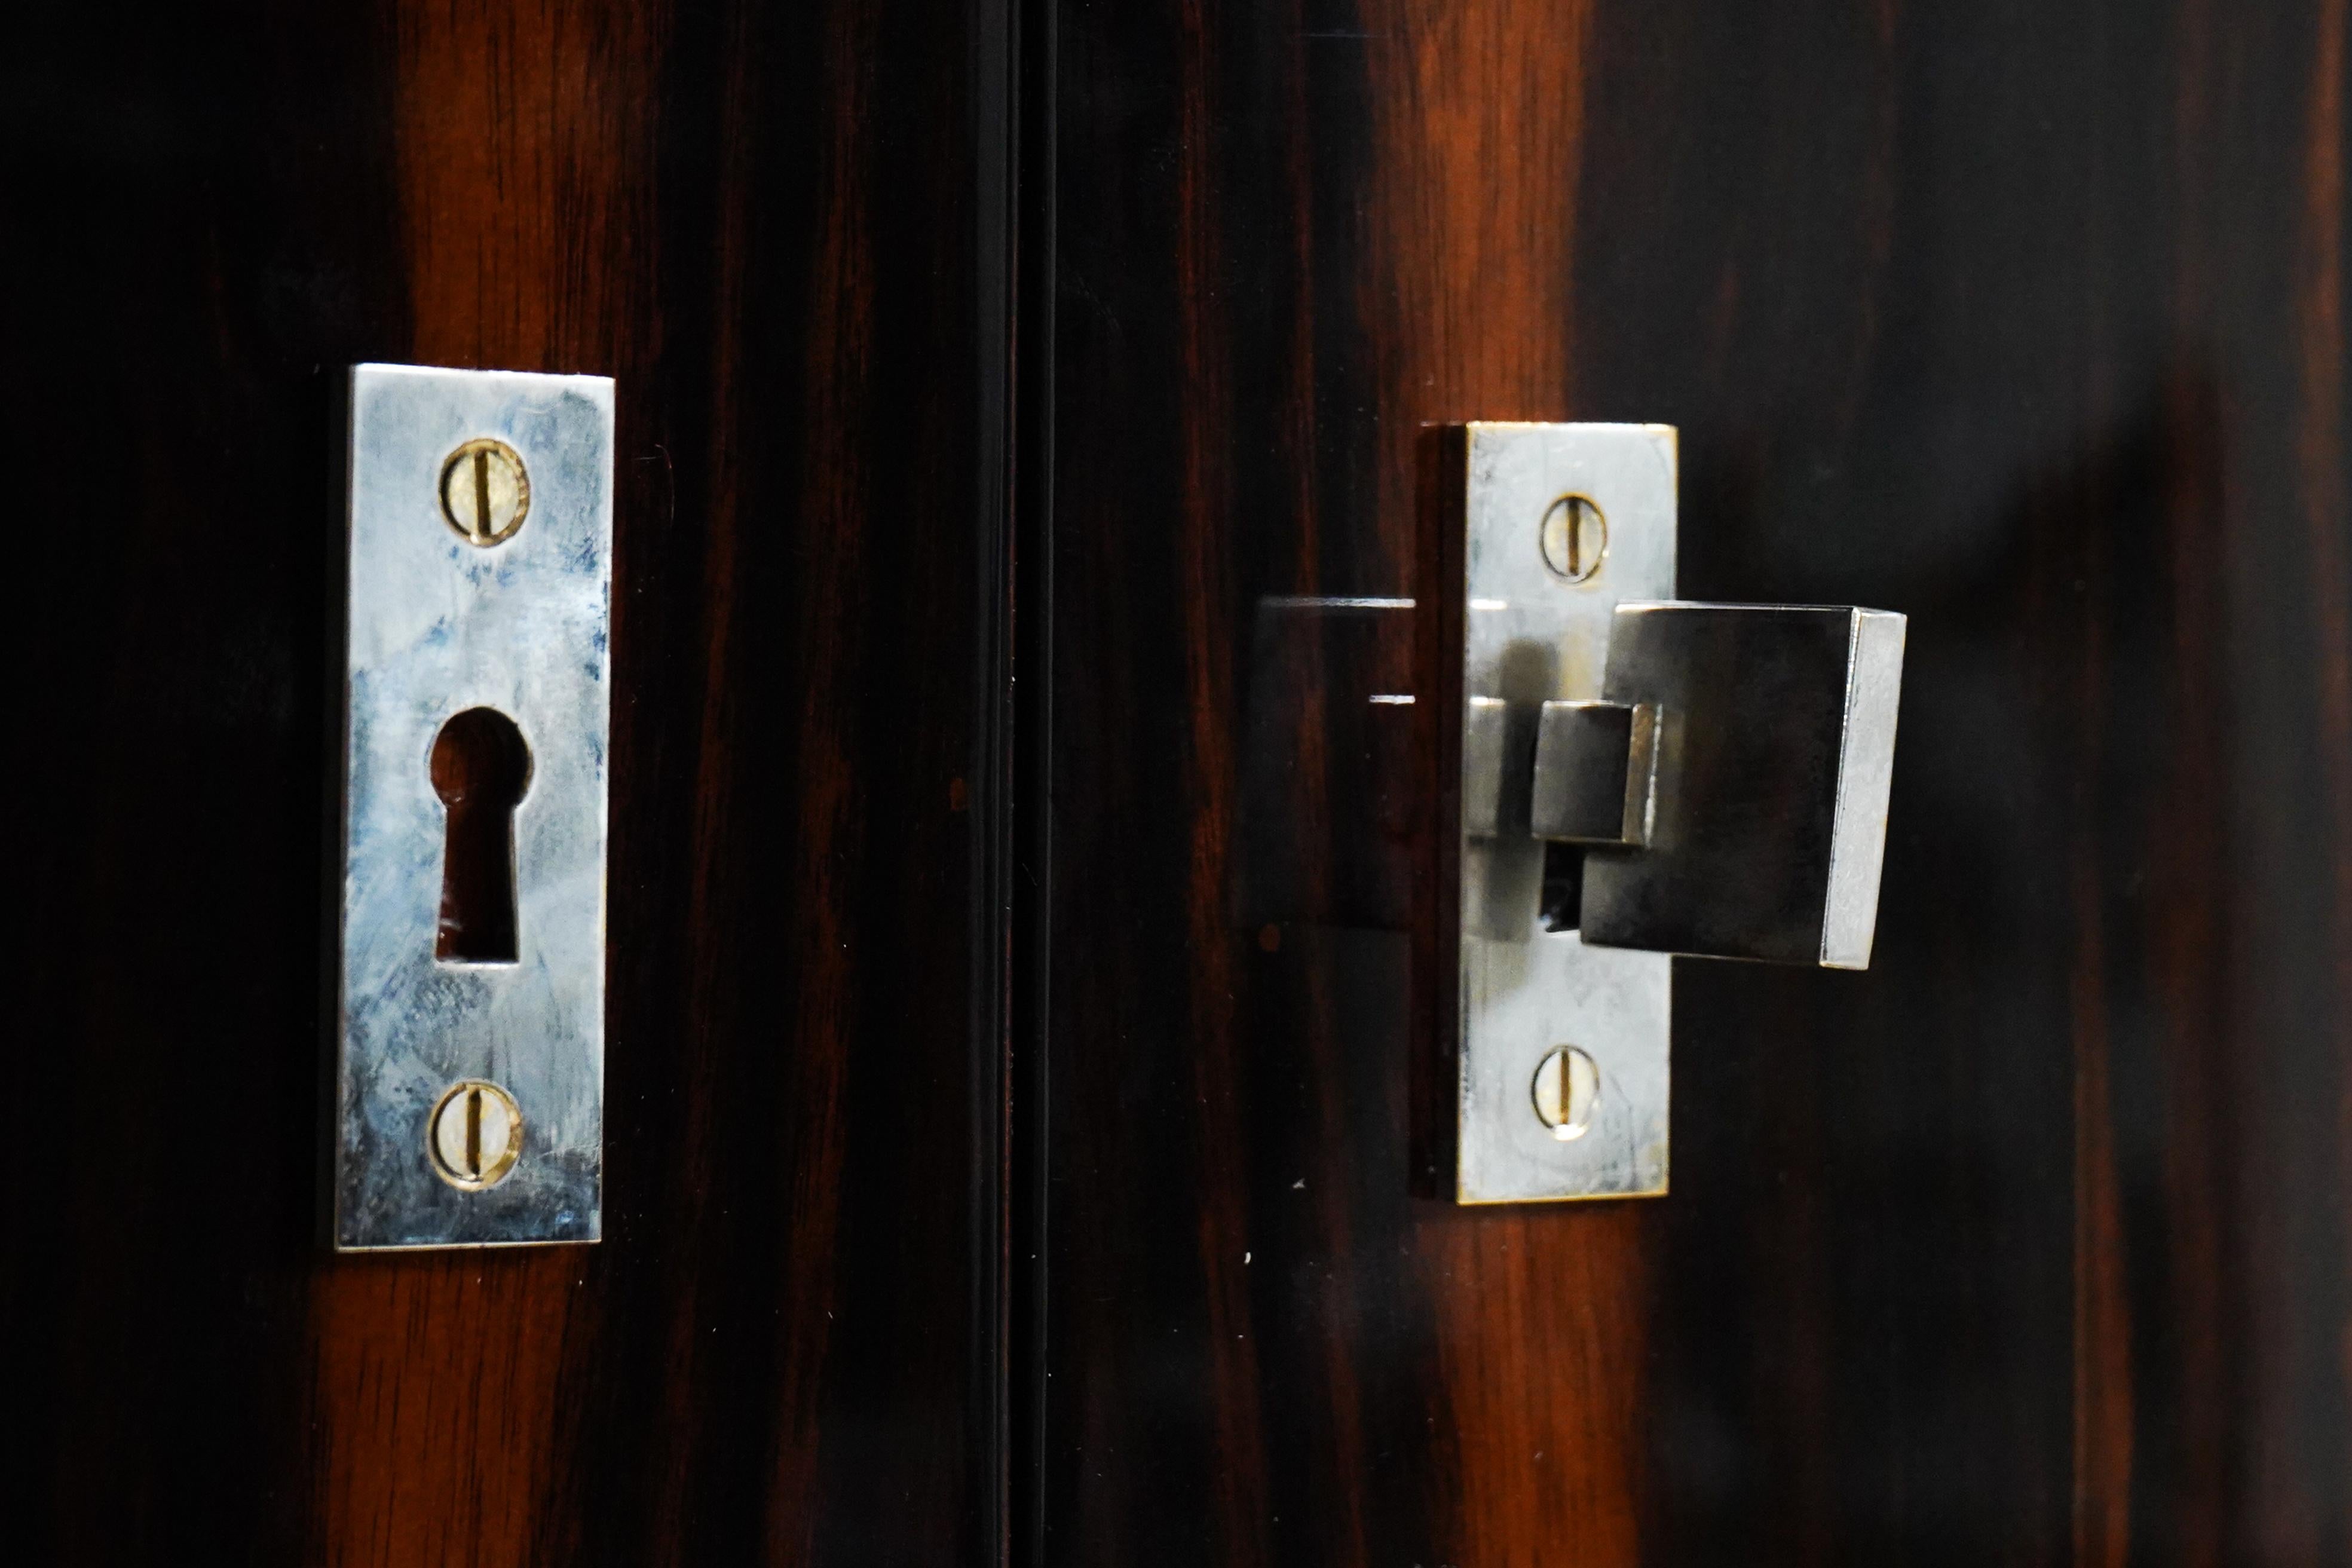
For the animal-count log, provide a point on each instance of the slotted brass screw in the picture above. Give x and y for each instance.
(1575, 537)
(474, 1135)
(485, 491)
(1566, 1088)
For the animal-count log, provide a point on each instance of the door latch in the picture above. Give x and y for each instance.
(1637, 777)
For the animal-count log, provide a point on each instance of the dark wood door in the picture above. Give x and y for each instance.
(774, 227)
(2033, 1244)
(996, 1169)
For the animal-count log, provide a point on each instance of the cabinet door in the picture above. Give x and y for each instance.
(2030, 1244)
(782, 1350)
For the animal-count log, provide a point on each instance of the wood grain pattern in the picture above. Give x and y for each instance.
(2033, 1244)
(784, 1349)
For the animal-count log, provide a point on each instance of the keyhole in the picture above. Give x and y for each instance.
(480, 769)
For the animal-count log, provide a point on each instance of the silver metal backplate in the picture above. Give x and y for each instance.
(1535, 632)
(447, 613)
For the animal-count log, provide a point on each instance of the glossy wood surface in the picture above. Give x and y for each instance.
(772, 225)
(2033, 1244)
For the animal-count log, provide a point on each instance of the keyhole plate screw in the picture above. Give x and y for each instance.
(485, 491)
(1566, 1091)
(1575, 537)
(474, 1134)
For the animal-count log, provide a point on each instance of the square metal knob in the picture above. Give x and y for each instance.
(1762, 785)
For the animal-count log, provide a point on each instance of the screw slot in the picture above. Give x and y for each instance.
(474, 1135)
(1575, 537)
(1566, 1091)
(485, 491)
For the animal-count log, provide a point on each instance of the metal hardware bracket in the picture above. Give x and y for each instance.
(1701, 779)
(469, 1092)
